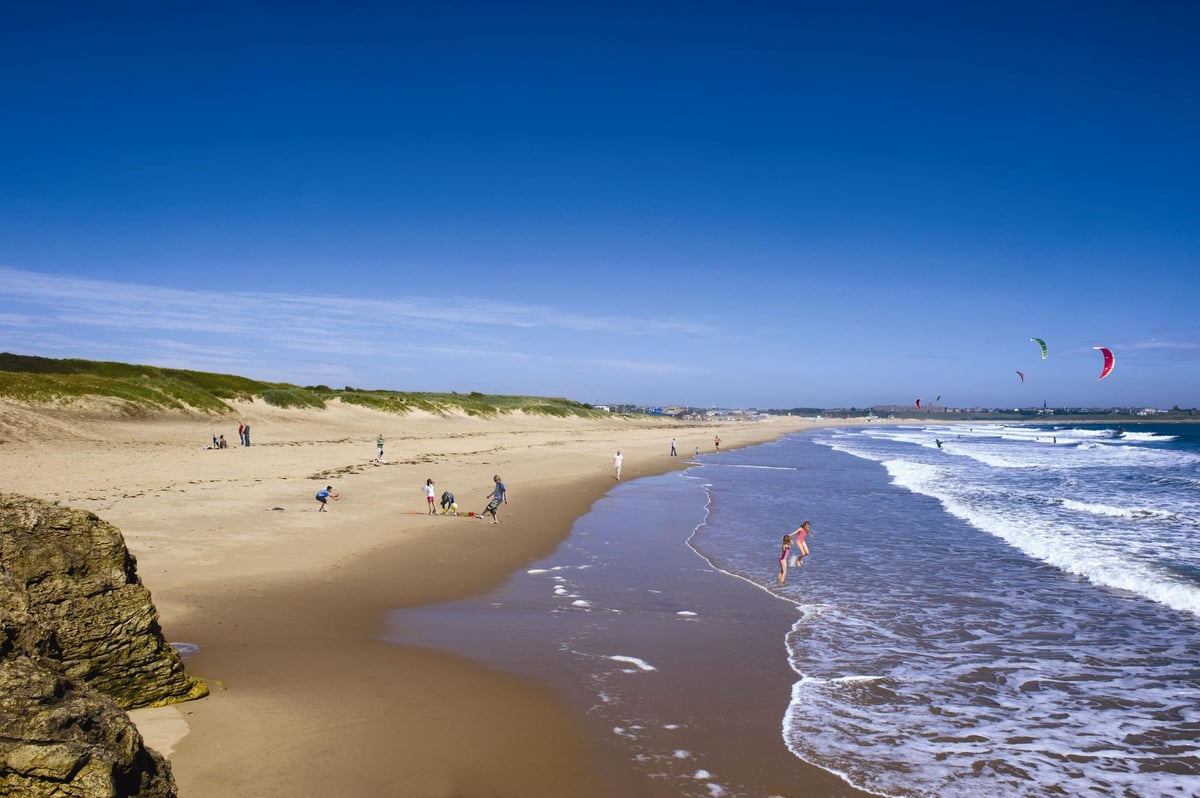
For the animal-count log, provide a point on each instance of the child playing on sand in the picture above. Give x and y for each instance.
(429, 496)
(448, 503)
(379, 448)
(499, 495)
(323, 496)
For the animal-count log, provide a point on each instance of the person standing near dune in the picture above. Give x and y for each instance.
(379, 448)
(618, 459)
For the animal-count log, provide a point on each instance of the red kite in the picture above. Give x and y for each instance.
(1108, 361)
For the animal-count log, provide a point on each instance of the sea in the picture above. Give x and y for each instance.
(987, 610)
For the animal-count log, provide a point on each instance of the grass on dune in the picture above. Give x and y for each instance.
(150, 388)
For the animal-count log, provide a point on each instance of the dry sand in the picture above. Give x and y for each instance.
(285, 604)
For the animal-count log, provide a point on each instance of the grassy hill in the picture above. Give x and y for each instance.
(144, 388)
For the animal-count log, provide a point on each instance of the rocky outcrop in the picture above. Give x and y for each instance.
(79, 643)
(82, 583)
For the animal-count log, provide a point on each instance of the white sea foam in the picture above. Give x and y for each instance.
(186, 649)
(687, 612)
(640, 664)
(1133, 513)
(556, 568)
(1066, 548)
(995, 446)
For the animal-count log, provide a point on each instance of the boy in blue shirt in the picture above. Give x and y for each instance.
(323, 496)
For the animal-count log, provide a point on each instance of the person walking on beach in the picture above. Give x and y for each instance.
(241, 433)
(246, 433)
(379, 448)
(617, 460)
(717, 442)
(448, 505)
(323, 496)
(429, 496)
(799, 535)
(499, 496)
(673, 448)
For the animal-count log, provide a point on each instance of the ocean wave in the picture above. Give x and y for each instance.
(1131, 513)
(1099, 558)
(1066, 549)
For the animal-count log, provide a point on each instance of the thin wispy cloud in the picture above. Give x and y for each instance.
(1154, 343)
(646, 367)
(314, 338)
(108, 304)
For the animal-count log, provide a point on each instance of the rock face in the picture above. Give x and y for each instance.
(79, 643)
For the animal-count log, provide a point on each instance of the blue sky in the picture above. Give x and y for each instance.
(740, 204)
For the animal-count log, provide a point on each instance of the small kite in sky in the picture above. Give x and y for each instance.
(1108, 360)
(1021, 374)
(1042, 344)
(918, 404)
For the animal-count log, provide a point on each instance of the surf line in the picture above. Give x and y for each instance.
(720, 570)
(748, 465)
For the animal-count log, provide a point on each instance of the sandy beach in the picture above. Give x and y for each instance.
(278, 606)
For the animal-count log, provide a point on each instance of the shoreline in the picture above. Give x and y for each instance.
(286, 607)
(676, 667)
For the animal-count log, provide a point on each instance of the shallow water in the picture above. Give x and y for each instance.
(1010, 614)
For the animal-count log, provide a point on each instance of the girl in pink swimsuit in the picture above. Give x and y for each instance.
(799, 535)
(783, 558)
